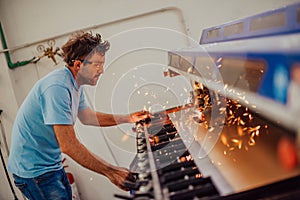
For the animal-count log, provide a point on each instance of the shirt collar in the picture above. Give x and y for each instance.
(72, 78)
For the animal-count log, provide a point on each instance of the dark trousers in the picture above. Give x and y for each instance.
(49, 186)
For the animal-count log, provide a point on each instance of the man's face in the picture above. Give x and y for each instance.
(90, 70)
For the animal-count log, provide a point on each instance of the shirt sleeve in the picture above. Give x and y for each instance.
(56, 105)
(82, 103)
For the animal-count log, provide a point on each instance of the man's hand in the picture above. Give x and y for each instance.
(140, 115)
(119, 176)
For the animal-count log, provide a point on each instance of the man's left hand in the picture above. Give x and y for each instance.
(140, 115)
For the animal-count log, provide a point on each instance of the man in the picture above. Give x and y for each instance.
(43, 128)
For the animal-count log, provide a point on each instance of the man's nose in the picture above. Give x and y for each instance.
(100, 70)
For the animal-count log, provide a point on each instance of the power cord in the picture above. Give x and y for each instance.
(5, 169)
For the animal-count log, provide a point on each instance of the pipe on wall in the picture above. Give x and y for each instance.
(165, 9)
(10, 64)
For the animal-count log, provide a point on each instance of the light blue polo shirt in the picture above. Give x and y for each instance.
(55, 99)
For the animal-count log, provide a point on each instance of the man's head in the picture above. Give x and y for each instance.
(82, 46)
(85, 57)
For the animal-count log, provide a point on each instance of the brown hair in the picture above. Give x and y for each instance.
(82, 46)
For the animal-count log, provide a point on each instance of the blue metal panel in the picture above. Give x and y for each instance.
(269, 23)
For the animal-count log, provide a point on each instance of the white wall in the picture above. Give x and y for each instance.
(9, 106)
(141, 33)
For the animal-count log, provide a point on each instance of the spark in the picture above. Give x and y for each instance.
(257, 133)
(235, 140)
(250, 117)
(125, 137)
(241, 122)
(240, 144)
(222, 110)
(251, 141)
(219, 59)
(198, 175)
(240, 131)
(154, 96)
(235, 115)
(211, 129)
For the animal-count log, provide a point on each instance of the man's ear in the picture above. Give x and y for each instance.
(77, 64)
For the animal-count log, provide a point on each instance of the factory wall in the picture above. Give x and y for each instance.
(140, 32)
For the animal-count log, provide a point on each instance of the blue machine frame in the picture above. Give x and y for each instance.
(284, 20)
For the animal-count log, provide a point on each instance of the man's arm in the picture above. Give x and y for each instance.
(70, 145)
(89, 117)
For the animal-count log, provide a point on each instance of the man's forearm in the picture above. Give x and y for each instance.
(89, 117)
(70, 145)
(111, 120)
(84, 157)
(92, 118)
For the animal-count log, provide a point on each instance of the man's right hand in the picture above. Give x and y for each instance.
(120, 175)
